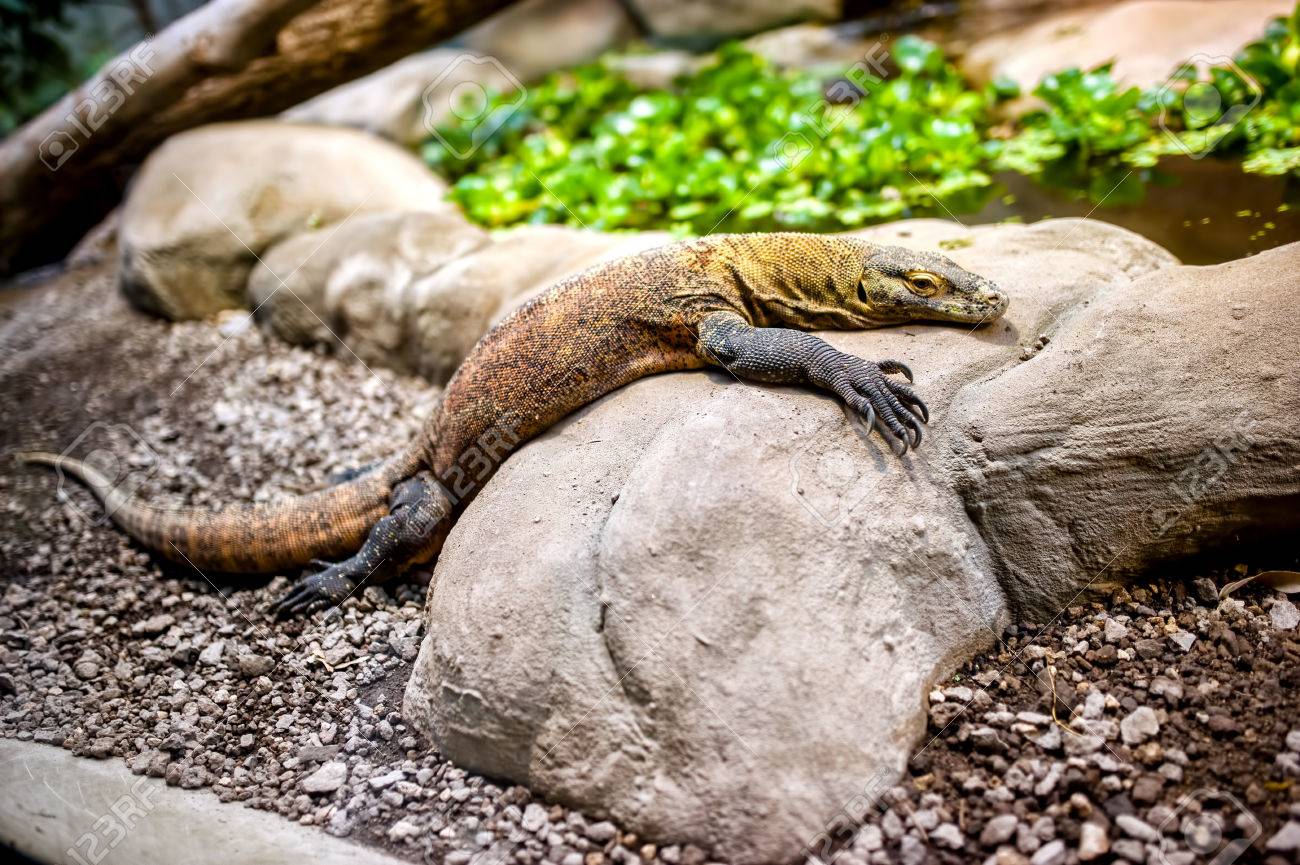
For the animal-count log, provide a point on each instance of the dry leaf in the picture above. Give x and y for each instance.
(1287, 582)
(1232, 587)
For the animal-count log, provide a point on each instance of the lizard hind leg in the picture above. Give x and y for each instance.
(411, 533)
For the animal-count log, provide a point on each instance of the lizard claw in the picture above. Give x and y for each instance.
(313, 592)
(889, 439)
(890, 407)
(892, 366)
(907, 395)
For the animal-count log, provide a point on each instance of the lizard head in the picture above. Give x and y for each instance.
(900, 285)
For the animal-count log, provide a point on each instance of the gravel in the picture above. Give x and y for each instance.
(999, 830)
(1098, 737)
(1284, 615)
(108, 652)
(1093, 841)
(1139, 725)
(327, 778)
(1287, 838)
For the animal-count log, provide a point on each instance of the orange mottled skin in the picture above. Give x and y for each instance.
(743, 302)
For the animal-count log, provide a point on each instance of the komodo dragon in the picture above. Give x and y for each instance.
(719, 300)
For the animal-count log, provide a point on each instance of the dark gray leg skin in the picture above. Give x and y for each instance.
(342, 476)
(778, 354)
(402, 538)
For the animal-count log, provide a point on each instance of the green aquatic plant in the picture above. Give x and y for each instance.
(741, 145)
(1247, 107)
(1273, 160)
(737, 145)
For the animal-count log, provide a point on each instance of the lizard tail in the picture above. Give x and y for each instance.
(248, 538)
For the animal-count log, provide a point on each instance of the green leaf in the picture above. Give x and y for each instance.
(1273, 161)
(741, 141)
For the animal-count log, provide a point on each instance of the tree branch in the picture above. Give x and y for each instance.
(228, 60)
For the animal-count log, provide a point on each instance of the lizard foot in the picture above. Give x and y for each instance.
(314, 591)
(890, 406)
(410, 533)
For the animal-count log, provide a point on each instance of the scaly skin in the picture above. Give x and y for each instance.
(742, 302)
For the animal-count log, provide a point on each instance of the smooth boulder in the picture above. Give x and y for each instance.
(449, 310)
(58, 807)
(711, 609)
(534, 37)
(415, 291)
(1147, 40)
(209, 201)
(351, 285)
(709, 20)
(404, 102)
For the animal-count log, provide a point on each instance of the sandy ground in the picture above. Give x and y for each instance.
(1097, 732)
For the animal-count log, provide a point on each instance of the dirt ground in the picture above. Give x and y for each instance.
(1157, 726)
(1106, 735)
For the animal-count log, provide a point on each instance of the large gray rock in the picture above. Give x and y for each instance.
(689, 19)
(514, 47)
(209, 201)
(449, 310)
(712, 609)
(403, 102)
(352, 283)
(815, 47)
(821, 47)
(1159, 424)
(534, 37)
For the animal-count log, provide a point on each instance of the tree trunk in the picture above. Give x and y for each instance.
(228, 60)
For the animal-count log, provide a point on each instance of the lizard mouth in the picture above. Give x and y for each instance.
(979, 308)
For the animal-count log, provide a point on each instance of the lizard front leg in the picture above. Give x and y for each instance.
(777, 354)
(411, 533)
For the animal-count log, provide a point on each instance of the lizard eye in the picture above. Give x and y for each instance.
(862, 292)
(923, 282)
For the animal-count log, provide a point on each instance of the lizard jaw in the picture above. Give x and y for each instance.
(982, 306)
